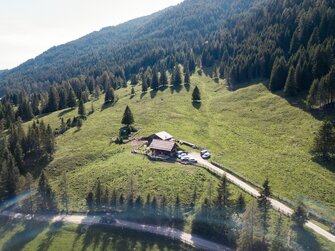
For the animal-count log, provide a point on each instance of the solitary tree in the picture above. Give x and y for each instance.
(299, 216)
(324, 142)
(81, 109)
(196, 96)
(128, 118)
(290, 88)
(109, 95)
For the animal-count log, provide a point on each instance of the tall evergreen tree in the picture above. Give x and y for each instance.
(290, 88)
(110, 95)
(64, 195)
(278, 74)
(81, 109)
(250, 228)
(324, 142)
(163, 78)
(196, 96)
(299, 217)
(53, 100)
(128, 118)
(46, 196)
(155, 80)
(98, 195)
(71, 99)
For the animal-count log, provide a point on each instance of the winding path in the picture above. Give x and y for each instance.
(189, 239)
(277, 205)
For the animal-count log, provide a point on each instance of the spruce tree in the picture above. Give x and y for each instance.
(176, 78)
(278, 75)
(187, 77)
(299, 217)
(264, 207)
(155, 80)
(324, 141)
(98, 194)
(128, 118)
(250, 228)
(46, 195)
(196, 96)
(53, 100)
(290, 88)
(25, 111)
(81, 109)
(240, 204)
(110, 95)
(163, 78)
(277, 243)
(64, 195)
(71, 99)
(144, 86)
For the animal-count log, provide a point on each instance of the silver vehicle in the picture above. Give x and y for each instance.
(205, 154)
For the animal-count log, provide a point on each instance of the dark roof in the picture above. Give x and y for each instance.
(162, 145)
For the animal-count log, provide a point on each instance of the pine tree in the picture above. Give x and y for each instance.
(155, 80)
(10, 175)
(176, 78)
(90, 201)
(264, 207)
(163, 78)
(187, 77)
(299, 217)
(277, 243)
(110, 95)
(144, 86)
(62, 99)
(18, 156)
(53, 100)
(114, 199)
(98, 194)
(196, 96)
(250, 228)
(81, 109)
(240, 204)
(324, 142)
(128, 118)
(71, 99)
(223, 197)
(25, 111)
(290, 88)
(132, 92)
(49, 141)
(64, 196)
(46, 195)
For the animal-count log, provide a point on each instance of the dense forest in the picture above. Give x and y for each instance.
(291, 43)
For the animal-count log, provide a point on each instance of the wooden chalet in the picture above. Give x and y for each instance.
(163, 147)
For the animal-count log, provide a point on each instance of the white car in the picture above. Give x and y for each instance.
(183, 154)
(205, 154)
(193, 160)
(185, 158)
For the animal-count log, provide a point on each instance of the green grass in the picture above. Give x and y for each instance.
(251, 131)
(32, 236)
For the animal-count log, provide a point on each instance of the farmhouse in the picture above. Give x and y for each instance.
(162, 147)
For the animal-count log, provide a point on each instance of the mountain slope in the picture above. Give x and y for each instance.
(128, 44)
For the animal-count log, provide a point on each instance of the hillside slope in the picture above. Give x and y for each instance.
(251, 131)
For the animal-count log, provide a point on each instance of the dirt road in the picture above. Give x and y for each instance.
(277, 205)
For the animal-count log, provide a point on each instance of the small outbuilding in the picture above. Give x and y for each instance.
(163, 147)
(160, 136)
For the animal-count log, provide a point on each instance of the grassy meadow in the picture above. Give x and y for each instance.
(251, 131)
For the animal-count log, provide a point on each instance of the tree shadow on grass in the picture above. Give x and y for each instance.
(143, 94)
(176, 89)
(21, 238)
(306, 239)
(196, 104)
(163, 88)
(153, 94)
(328, 164)
(106, 106)
(187, 87)
(62, 113)
(52, 233)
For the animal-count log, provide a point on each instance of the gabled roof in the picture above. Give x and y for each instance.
(164, 135)
(162, 145)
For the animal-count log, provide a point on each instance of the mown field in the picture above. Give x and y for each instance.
(33, 236)
(251, 131)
